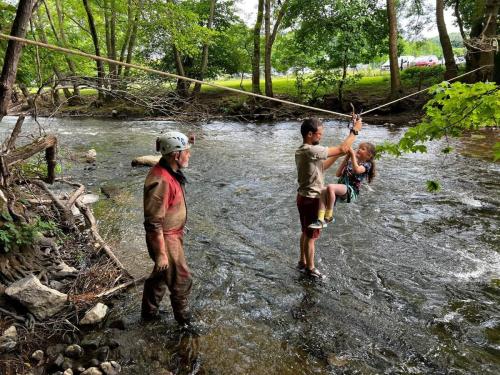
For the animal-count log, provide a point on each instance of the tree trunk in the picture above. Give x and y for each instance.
(482, 44)
(57, 72)
(256, 49)
(342, 81)
(126, 38)
(269, 47)
(204, 53)
(13, 53)
(71, 64)
(133, 38)
(95, 39)
(110, 26)
(393, 50)
(449, 59)
(268, 83)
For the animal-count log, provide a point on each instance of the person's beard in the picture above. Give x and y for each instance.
(315, 143)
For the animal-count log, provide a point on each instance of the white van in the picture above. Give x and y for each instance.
(403, 63)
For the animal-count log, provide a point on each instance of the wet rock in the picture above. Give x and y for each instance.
(120, 324)
(39, 299)
(46, 242)
(110, 191)
(10, 332)
(59, 360)
(63, 270)
(111, 343)
(57, 285)
(68, 372)
(80, 370)
(67, 364)
(111, 368)
(102, 353)
(8, 341)
(92, 371)
(90, 343)
(88, 198)
(95, 315)
(38, 355)
(91, 156)
(147, 160)
(74, 351)
(94, 362)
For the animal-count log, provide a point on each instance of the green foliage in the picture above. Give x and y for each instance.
(14, 235)
(414, 73)
(423, 47)
(496, 151)
(329, 80)
(37, 167)
(454, 109)
(433, 186)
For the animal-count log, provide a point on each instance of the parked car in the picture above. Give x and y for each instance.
(403, 63)
(429, 60)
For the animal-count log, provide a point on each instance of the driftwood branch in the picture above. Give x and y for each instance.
(11, 141)
(117, 288)
(93, 229)
(11, 314)
(66, 215)
(47, 143)
(75, 196)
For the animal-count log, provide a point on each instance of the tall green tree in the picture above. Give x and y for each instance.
(256, 48)
(280, 9)
(338, 33)
(449, 59)
(396, 88)
(13, 53)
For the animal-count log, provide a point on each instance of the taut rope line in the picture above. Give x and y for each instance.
(172, 75)
(418, 92)
(159, 72)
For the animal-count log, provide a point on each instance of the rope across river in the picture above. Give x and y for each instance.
(176, 76)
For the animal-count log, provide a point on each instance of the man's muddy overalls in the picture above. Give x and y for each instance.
(164, 219)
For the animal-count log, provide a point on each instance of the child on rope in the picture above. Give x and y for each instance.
(355, 167)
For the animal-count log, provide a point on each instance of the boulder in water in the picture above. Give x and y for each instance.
(95, 314)
(147, 160)
(90, 156)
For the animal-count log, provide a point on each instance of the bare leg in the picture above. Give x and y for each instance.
(303, 244)
(309, 252)
(332, 192)
(323, 199)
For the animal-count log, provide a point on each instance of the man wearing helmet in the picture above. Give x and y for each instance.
(164, 219)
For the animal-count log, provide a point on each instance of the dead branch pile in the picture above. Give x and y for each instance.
(62, 236)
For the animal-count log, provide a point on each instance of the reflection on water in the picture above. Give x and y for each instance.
(412, 278)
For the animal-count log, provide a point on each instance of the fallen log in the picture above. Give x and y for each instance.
(147, 160)
(111, 291)
(47, 143)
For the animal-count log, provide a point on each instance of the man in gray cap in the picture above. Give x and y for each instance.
(164, 220)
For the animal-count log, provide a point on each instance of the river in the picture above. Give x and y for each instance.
(412, 278)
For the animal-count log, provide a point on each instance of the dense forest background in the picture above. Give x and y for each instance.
(318, 40)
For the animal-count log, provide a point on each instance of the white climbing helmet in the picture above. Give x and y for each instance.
(171, 142)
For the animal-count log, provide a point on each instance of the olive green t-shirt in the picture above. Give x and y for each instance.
(309, 162)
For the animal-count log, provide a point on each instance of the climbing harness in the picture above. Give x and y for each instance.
(351, 194)
(171, 75)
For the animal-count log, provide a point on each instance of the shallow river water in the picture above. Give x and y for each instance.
(412, 278)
